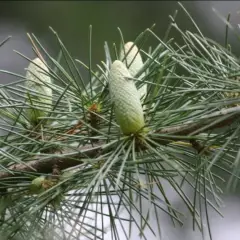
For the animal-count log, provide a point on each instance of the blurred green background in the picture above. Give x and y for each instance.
(71, 20)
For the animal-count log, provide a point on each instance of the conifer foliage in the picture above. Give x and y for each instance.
(84, 157)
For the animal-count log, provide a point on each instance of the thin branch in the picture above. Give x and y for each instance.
(191, 127)
(46, 165)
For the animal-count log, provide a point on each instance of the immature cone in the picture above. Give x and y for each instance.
(35, 79)
(126, 100)
(36, 185)
(133, 65)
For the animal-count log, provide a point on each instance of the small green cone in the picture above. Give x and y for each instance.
(126, 99)
(36, 76)
(36, 185)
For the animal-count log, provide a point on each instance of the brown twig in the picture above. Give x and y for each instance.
(46, 165)
(208, 123)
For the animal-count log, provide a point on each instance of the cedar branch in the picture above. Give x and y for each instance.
(228, 116)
